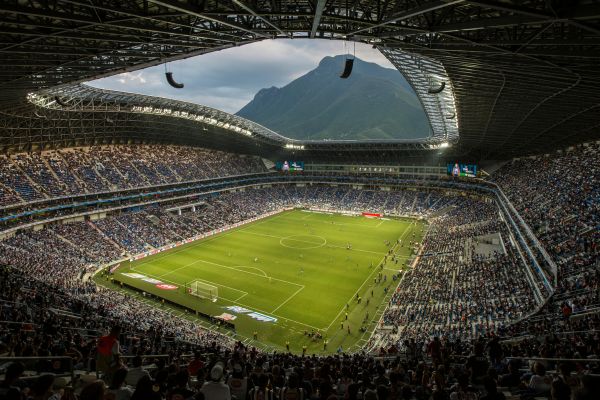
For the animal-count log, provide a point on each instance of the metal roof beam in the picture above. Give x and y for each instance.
(317, 18)
(192, 11)
(499, 22)
(414, 12)
(580, 13)
(265, 20)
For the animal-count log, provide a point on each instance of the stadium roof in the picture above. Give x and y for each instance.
(523, 75)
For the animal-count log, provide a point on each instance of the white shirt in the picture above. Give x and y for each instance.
(216, 391)
(134, 375)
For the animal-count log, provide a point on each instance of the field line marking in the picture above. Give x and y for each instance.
(218, 284)
(351, 224)
(386, 304)
(243, 304)
(228, 267)
(247, 272)
(315, 245)
(288, 299)
(196, 243)
(258, 269)
(237, 302)
(354, 249)
(276, 315)
(307, 241)
(178, 284)
(238, 299)
(365, 281)
(174, 270)
(213, 237)
(246, 227)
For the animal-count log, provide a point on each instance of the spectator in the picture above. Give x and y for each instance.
(135, 373)
(108, 353)
(215, 388)
(9, 390)
(117, 386)
(93, 391)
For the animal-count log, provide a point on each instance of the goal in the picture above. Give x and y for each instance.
(203, 290)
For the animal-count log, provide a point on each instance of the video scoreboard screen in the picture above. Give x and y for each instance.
(462, 170)
(289, 166)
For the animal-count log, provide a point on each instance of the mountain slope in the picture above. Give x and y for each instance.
(373, 103)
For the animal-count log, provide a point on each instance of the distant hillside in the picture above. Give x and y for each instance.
(374, 103)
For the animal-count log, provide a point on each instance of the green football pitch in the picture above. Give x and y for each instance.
(289, 275)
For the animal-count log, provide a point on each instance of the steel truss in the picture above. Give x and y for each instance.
(524, 73)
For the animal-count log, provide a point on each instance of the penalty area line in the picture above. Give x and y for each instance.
(288, 299)
(363, 284)
(199, 242)
(251, 307)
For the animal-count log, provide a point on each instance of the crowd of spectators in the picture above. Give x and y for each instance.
(453, 291)
(52, 324)
(558, 196)
(445, 320)
(82, 244)
(56, 173)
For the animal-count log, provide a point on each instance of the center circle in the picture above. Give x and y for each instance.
(303, 242)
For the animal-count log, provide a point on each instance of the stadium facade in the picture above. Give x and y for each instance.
(92, 177)
(508, 91)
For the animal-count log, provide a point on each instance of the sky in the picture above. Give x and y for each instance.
(229, 79)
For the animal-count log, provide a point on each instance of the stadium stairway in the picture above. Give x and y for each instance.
(105, 236)
(269, 165)
(31, 182)
(442, 211)
(52, 172)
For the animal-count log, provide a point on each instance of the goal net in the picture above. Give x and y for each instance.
(203, 290)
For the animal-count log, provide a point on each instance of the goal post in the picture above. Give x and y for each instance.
(203, 290)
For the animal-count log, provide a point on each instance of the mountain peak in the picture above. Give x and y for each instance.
(331, 59)
(266, 92)
(375, 103)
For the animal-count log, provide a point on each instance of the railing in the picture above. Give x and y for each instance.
(530, 235)
(143, 356)
(585, 360)
(27, 360)
(19, 323)
(483, 186)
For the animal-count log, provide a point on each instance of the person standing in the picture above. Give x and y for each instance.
(108, 353)
(216, 389)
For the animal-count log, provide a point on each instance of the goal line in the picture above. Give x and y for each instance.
(202, 290)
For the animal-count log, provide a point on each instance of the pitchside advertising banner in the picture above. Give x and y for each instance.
(158, 283)
(198, 237)
(464, 170)
(252, 314)
(289, 166)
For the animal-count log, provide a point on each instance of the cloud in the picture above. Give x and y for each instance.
(229, 79)
(131, 77)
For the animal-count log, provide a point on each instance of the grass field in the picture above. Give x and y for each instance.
(293, 267)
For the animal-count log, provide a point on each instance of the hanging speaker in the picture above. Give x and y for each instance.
(172, 82)
(60, 102)
(438, 89)
(347, 68)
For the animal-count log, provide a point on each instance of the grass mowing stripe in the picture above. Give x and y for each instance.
(238, 303)
(307, 241)
(255, 268)
(209, 239)
(288, 299)
(365, 281)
